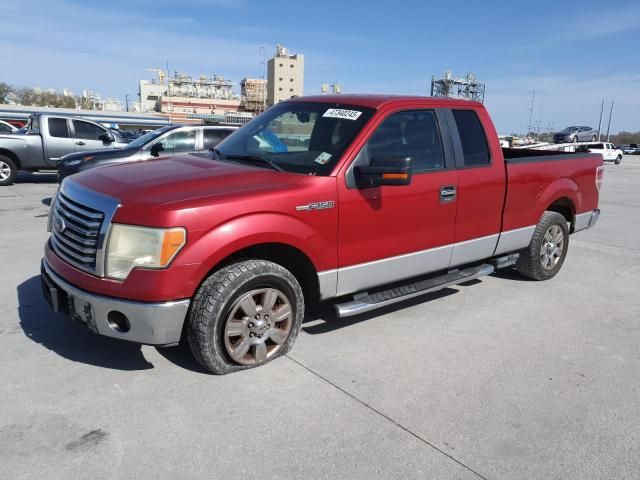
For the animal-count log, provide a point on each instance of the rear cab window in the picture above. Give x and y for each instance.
(58, 127)
(475, 147)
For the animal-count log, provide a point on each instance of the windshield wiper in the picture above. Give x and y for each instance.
(250, 158)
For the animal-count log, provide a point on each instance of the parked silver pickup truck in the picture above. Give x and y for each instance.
(48, 138)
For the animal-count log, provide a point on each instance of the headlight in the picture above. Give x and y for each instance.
(50, 218)
(130, 247)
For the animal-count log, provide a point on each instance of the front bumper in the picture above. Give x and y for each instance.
(151, 323)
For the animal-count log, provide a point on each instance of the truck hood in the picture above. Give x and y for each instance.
(102, 154)
(186, 179)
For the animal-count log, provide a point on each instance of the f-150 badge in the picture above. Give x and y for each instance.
(316, 206)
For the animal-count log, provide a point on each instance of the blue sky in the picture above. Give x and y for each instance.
(574, 54)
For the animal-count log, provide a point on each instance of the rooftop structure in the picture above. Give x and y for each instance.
(467, 88)
(254, 94)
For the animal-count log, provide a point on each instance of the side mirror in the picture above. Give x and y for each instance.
(106, 137)
(384, 171)
(156, 148)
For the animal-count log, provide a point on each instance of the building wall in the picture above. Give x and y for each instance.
(198, 105)
(285, 78)
(150, 93)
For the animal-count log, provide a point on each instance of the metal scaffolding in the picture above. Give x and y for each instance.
(467, 88)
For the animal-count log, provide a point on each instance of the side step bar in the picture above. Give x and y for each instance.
(365, 302)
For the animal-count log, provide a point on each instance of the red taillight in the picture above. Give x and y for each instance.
(599, 177)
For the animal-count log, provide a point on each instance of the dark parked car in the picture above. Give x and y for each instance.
(165, 141)
(575, 134)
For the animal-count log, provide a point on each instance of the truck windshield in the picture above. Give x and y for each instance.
(299, 137)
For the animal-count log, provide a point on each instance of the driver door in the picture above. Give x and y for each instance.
(389, 233)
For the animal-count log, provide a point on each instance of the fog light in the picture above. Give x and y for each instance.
(118, 321)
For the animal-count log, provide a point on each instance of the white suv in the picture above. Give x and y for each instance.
(608, 151)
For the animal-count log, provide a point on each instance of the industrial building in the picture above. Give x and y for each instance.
(467, 88)
(254, 94)
(285, 76)
(184, 94)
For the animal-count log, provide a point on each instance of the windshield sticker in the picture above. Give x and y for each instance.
(342, 113)
(323, 158)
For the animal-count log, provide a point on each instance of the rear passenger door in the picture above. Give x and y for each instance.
(86, 136)
(213, 136)
(481, 186)
(58, 141)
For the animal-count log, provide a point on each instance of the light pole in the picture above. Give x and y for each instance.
(126, 101)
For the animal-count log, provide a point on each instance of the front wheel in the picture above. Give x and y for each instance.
(546, 252)
(8, 171)
(245, 315)
(593, 138)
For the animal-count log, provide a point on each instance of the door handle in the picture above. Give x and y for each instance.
(80, 143)
(447, 193)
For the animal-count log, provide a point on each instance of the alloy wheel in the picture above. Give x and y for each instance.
(552, 247)
(5, 170)
(258, 325)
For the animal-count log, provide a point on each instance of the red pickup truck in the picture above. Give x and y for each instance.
(359, 200)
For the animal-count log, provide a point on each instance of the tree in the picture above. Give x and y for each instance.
(6, 91)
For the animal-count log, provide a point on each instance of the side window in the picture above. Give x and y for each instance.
(86, 130)
(212, 137)
(183, 141)
(58, 127)
(412, 134)
(474, 141)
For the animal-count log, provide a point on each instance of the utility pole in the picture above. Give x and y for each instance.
(533, 97)
(168, 91)
(126, 101)
(600, 122)
(609, 125)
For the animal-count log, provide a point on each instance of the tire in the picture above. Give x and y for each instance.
(593, 139)
(576, 139)
(8, 171)
(618, 160)
(542, 260)
(222, 335)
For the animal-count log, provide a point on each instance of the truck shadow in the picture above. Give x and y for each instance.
(510, 274)
(70, 340)
(322, 318)
(36, 177)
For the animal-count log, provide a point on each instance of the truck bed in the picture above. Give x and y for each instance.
(537, 179)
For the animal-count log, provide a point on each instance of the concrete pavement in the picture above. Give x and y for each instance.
(500, 379)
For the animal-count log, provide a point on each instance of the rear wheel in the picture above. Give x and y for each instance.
(8, 170)
(618, 160)
(546, 252)
(245, 315)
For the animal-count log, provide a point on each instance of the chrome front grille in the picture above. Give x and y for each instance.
(79, 223)
(75, 232)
